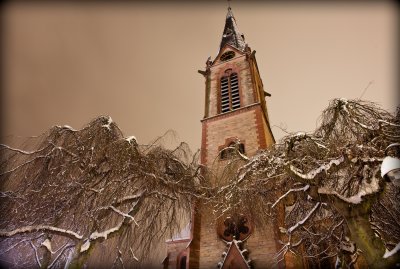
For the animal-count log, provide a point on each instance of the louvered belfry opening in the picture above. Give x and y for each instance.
(225, 102)
(235, 98)
(230, 98)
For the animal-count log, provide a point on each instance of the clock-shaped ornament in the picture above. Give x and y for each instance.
(227, 55)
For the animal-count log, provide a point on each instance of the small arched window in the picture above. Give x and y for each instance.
(230, 98)
(229, 151)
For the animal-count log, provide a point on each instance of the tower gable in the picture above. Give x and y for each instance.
(226, 50)
(234, 257)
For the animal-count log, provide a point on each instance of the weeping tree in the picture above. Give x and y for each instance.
(93, 197)
(324, 189)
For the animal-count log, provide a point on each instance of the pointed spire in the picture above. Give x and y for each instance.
(231, 34)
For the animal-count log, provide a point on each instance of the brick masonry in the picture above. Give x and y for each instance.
(247, 124)
(250, 125)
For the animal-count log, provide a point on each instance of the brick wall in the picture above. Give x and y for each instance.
(175, 250)
(247, 124)
(261, 244)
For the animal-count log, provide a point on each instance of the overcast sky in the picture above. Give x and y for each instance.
(64, 64)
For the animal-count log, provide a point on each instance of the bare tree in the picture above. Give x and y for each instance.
(91, 196)
(81, 196)
(325, 188)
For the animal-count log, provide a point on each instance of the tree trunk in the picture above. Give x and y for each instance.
(371, 245)
(78, 260)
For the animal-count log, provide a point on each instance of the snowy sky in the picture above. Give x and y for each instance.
(67, 63)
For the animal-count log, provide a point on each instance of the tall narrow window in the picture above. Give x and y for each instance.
(230, 98)
(235, 98)
(225, 102)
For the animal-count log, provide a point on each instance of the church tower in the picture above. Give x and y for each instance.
(235, 107)
(235, 118)
(235, 115)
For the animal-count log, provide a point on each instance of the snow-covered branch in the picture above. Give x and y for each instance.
(392, 252)
(305, 188)
(313, 173)
(43, 228)
(298, 224)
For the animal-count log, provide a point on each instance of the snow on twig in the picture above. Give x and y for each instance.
(311, 175)
(123, 214)
(47, 244)
(129, 198)
(20, 150)
(133, 254)
(298, 224)
(366, 189)
(244, 157)
(67, 127)
(108, 125)
(96, 235)
(345, 109)
(46, 228)
(306, 187)
(36, 254)
(23, 164)
(85, 246)
(59, 254)
(20, 242)
(392, 252)
(388, 123)
(130, 139)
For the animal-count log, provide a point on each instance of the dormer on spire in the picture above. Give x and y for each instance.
(231, 34)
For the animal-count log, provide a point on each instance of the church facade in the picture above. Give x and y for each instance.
(235, 115)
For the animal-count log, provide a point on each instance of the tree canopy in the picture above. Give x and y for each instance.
(71, 197)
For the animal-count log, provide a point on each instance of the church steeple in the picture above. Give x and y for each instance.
(231, 34)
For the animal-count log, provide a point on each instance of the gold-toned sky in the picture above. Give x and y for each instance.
(66, 63)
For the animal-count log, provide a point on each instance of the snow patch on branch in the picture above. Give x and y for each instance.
(31, 229)
(306, 187)
(392, 252)
(130, 139)
(69, 128)
(85, 246)
(310, 175)
(298, 224)
(388, 123)
(123, 214)
(108, 125)
(367, 188)
(129, 198)
(105, 234)
(18, 150)
(344, 106)
(47, 244)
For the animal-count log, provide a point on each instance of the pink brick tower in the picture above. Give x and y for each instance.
(235, 111)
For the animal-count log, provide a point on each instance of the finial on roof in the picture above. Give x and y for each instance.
(229, 14)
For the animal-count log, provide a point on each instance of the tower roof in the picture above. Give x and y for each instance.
(231, 34)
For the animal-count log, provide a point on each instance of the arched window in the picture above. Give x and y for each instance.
(230, 98)
(229, 151)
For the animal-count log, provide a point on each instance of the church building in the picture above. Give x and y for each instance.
(235, 115)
